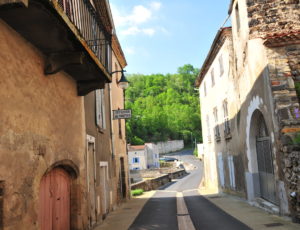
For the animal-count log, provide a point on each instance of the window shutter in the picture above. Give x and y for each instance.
(98, 109)
(103, 109)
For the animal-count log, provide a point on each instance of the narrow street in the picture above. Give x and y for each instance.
(179, 205)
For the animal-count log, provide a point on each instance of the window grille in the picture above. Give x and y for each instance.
(227, 131)
(216, 129)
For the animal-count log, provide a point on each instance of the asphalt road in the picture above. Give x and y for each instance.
(162, 213)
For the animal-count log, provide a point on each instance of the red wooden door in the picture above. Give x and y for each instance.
(55, 200)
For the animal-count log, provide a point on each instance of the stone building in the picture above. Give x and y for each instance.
(54, 55)
(250, 113)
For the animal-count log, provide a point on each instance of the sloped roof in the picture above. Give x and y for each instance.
(136, 147)
(215, 47)
(282, 39)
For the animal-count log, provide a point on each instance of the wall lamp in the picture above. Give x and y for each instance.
(123, 83)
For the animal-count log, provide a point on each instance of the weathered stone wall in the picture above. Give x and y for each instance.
(158, 181)
(41, 127)
(284, 71)
(292, 178)
(273, 16)
(152, 184)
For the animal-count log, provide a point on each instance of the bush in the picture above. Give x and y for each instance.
(137, 141)
(195, 153)
(137, 192)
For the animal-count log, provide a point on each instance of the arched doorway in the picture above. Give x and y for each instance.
(55, 200)
(265, 161)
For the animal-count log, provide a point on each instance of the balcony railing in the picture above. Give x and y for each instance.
(227, 131)
(84, 16)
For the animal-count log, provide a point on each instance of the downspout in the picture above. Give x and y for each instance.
(112, 135)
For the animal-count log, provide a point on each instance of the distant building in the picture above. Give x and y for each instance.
(249, 93)
(143, 156)
(137, 157)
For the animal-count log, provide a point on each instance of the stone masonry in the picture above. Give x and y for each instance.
(284, 75)
(273, 16)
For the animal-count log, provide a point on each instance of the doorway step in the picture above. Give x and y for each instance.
(266, 205)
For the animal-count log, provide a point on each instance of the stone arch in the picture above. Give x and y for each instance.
(256, 120)
(68, 165)
(261, 159)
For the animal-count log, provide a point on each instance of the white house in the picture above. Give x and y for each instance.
(143, 156)
(137, 157)
(152, 155)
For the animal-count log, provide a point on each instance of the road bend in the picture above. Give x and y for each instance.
(178, 206)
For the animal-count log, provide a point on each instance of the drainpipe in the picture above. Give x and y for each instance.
(112, 135)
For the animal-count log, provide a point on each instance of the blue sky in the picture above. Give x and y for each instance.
(158, 36)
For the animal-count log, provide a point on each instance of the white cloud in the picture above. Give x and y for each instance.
(130, 31)
(134, 22)
(139, 15)
(155, 5)
(135, 30)
(149, 31)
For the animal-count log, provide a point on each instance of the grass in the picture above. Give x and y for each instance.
(137, 192)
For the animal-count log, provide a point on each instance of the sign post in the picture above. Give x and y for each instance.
(121, 114)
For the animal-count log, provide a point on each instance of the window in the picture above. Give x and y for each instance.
(221, 65)
(100, 109)
(204, 87)
(212, 73)
(208, 129)
(226, 120)
(216, 129)
(237, 17)
(136, 160)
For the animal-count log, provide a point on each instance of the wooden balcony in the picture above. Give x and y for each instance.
(70, 33)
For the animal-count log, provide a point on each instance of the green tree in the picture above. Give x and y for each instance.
(163, 107)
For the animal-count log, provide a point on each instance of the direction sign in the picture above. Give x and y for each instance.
(121, 114)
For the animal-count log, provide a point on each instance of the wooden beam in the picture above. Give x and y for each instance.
(24, 2)
(85, 87)
(58, 61)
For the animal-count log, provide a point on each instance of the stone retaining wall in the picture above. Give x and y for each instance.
(157, 182)
(170, 146)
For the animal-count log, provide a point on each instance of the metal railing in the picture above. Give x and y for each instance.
(84, 16)
(227, 131)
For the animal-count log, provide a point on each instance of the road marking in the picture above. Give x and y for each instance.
(183, 216)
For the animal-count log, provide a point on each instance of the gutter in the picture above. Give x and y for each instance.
(215, 46)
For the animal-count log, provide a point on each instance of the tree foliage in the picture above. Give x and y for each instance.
(164, 107)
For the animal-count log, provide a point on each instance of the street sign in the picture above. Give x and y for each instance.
(121, 114)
